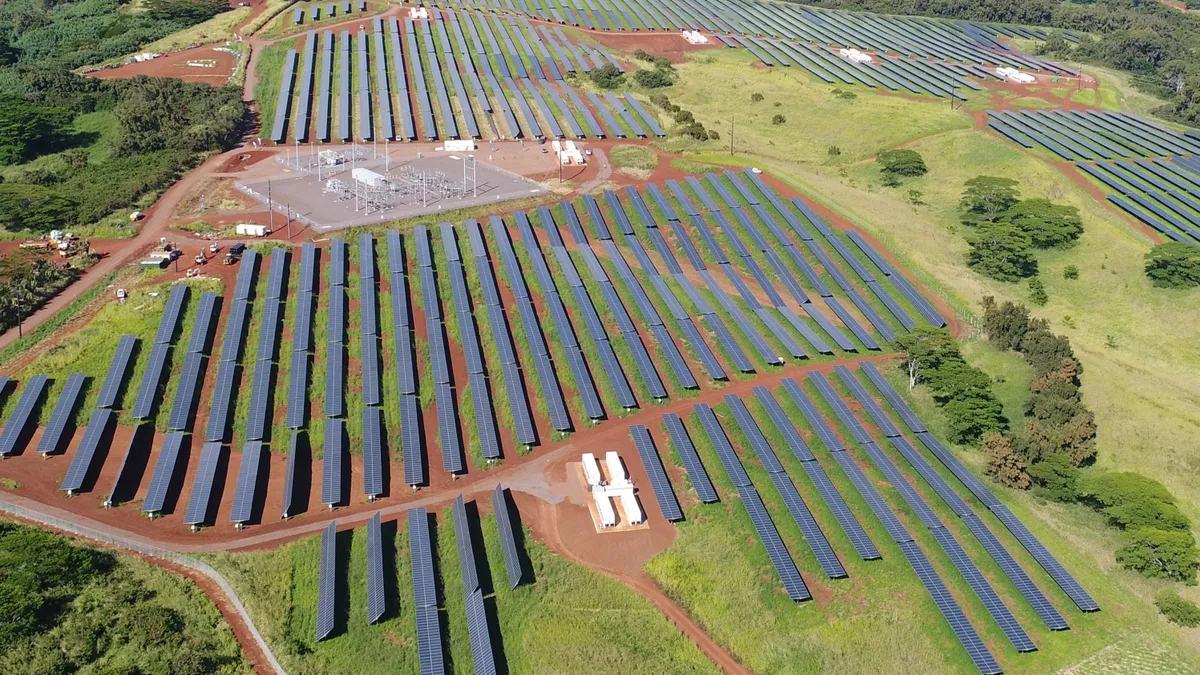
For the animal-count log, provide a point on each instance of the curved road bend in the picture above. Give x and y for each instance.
(32, 511)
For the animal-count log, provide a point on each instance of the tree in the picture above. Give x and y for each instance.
(1004, 325)
(1048, 225)
(1001, 463)
(902, 163)
(1044, 350)
(607, 76)
(1071, 272)
(1174, 265)
(1055, 478)
(34, 208)
(1177, 610)
(684, 117)
(653, 79)
(1159, 554)
(986, 198)
(1002, 252)
(1132, 501)
(28, 130)
(925, 350)
(778, 119)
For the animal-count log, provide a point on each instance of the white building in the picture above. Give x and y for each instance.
(695, 37)
(1014, 75)
(632, 509)
(608, 516)
(591, 469)
(616, 470)
(369, 177)
(855, 55)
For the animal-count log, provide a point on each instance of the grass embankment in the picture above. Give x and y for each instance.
(220, 28)
(637, 161)
(269, 69)
(541, 624)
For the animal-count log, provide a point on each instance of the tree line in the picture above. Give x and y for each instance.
(1154, 42)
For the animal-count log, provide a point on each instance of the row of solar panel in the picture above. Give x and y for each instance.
(954, 41)
(314, 11)
(1163, 194)
(1092, 134)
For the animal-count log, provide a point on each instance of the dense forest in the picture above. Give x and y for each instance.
(1158, 44)
(69, 608)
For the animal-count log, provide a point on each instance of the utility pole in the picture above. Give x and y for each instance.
(289, 216)
(270, 208)
(731, 135)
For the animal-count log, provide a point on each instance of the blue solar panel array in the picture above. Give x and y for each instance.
(327, 583)
(18, 420)
(429, 626)
(668, 504)
(508, 537)
(444, 395)
(200, 501)
(247, 483)
(1049, 563)
(333, 489)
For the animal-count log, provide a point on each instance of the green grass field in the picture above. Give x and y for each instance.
(543, 625)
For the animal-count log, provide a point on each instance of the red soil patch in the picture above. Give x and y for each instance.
(670, 45)
(242, 160)
(175, 65)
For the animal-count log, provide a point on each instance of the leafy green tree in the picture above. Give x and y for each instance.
(1055, 478)
(28, 130)
(986, 198)
(1177, 610)
(906, 163)
(1001, 251)
(1133, 501)
(1046, 351)
(34, 208)
(1174, 265)
(1048, 225)
(1161, 554)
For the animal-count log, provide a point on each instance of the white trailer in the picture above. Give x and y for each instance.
(591, 469)
(368, 177)
(616, 470)
(632, 509)
(608, 516)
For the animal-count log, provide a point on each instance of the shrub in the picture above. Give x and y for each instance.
(661, 101)
(607, 76)
(1174, 265)
(833, 151)
(1177, 610)
(756, 97)
(1132, 501)
(1037, 292)
(902, 163)
(986, 198)
(713, 135)
(778, 119)
(653, 79)
(1071, 272)
(684, 117)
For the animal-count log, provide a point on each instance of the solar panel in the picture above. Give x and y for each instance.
(206, 474)
(410, 440)
(218, 410)
(395, 246)
(64, 411)
(235, 330)
(466, 551)
(170, 318)
(185, 395)
(297, 407)
(482, 656)
(18, 421)
(753, 434)
(117, 369)
(366, 256)
(289, 477)
(337, 262)
(826, 558)
(202, 324)
(690, 459)
(768, 535)
(485, 421)
(337, 316)
(372, 387)
(246, 274)
(368, 312)
(332, 489)
(277, 274)
(327, 586)
(815, 419)
(429, 633)
(376, 601)
(435, 333)
(372, 448)
(258, 421)
(308, 268)
(720, 442)
(663, 492)
(1069, 585)
(508, 542)
(893, 397)
(271, 326)
(302, 324)
(976, 649)
(164, 472)
(81, 465)
(247, 483)
(448, 432)
(151, 382)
